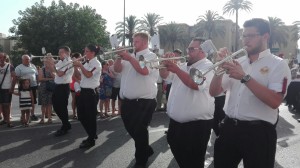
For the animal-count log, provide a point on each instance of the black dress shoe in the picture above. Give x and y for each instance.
(87, 144)
(60, 132)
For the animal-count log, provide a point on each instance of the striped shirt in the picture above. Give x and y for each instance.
(25, 100)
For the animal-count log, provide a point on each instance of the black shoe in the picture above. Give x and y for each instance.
(3, 122)
(139, 165)
(150, 151)
(33, 118)
(96, 137)
(87, 144)
(60, 132)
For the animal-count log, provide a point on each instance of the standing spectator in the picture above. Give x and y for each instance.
(45, 96)
(256, 85)
(63, 72)
(72, 88)
(7, 86)
(115, 92)
(138, 92)
(105, 91)
(190, 108)
(27, 70)
(26, 101)
(87, 105)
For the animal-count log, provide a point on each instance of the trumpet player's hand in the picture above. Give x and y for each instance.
(124, 54)
(234, 69)
(77, 64)
(171, 66)
(222, 53)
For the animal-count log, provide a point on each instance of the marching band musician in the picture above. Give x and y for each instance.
(256, 85)
(90, 74)
(63, 77)
(190, 108)
(138, 92)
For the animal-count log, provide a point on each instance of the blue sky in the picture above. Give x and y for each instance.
(179, 11)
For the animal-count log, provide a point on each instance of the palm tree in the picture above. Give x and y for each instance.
(209, 25)
(296, 31)
(233, 6)
(131, 26)
(173, 33)
(279, 32)
(149, 23)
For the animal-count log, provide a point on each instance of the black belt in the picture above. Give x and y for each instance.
(62, 84)
(236, 122)
(125, 99)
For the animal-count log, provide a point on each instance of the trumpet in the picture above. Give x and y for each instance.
(42, 58)
(78, 59)
(151, 62)
(198, 76)
(118, 50)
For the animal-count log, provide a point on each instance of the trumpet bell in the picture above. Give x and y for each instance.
(197, 76)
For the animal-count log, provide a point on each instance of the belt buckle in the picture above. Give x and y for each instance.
(235, 122)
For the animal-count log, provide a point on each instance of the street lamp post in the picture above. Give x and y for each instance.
(124, 26)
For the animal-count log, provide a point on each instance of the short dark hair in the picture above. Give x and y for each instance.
(261, 25)
(177, 51)
(66, 48)
(93, 48)
(199, 39)
(76, 55)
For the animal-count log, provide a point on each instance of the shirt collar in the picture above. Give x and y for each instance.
(262, 55)
(143, 52)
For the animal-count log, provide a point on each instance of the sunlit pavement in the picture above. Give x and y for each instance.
(36, 146)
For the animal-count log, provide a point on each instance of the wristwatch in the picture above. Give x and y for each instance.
(245, 79)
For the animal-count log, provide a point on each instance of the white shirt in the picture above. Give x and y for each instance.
(7, 80)
(269, 70)
(133, 84)
(66, 78)
(186, 104)
(94, 81)
(27, 72)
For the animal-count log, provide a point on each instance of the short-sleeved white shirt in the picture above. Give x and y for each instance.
(133, 84)
(7, 80)
(66, 78)
(270, 71)
(27, 72)
(186, 104)
(94, 81)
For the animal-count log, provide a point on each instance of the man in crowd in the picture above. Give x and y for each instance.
(27, 70)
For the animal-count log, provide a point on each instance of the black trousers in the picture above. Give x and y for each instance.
(252, 141)
(219, 113)
(136, 115)
(87, 111)
(60, 104)
(188, 142)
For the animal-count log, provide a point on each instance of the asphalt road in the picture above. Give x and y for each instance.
(36, 146)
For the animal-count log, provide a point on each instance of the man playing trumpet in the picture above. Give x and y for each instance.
(190, 108)
(63, 77)
(138, 92)
(256, 85)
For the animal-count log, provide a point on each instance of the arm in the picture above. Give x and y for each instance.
(84, 71)
(13, 82)
(269, 97)
(118, 65)
(183, 76)
(215, 87)
(32, 101)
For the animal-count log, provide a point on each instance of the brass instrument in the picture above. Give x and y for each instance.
(118, 50)
(198, 76)
(151, 62)
(78, 59)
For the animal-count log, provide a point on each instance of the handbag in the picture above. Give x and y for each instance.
(50, 84)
